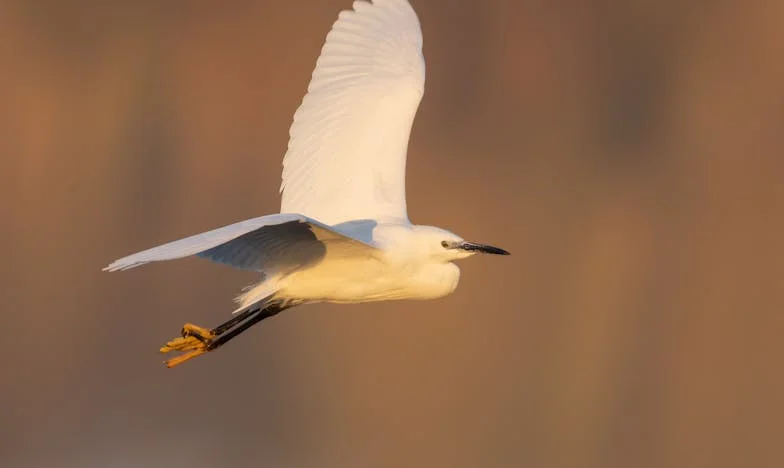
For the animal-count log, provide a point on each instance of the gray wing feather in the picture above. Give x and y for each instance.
(279, 241)
(285, 245)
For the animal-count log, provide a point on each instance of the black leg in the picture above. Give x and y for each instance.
(221, 329)
(254, 316)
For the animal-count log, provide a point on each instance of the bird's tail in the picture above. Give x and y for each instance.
(257, 294)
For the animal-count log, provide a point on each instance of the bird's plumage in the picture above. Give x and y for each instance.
(346, 158)
(343, 234)
(269, 244)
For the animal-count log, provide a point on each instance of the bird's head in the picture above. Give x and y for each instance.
(448, 246)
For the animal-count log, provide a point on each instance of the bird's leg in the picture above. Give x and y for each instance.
(198, 340)
(227, 335)
(223, 327)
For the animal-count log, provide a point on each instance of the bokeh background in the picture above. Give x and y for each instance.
(629, 154)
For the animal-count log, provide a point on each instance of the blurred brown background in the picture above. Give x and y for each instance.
(629, 154)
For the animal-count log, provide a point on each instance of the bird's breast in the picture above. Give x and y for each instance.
(434, 280)
(367, 281)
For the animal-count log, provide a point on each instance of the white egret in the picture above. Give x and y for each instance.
(343, 234)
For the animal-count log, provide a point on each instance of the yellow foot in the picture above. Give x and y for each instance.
(190, 329)
(194, 340)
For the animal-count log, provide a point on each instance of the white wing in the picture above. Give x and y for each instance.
(346, 158)
(276, 243)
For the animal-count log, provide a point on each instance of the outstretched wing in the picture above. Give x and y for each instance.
(346, 158)
(271, 244)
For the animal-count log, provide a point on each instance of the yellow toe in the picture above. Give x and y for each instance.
(182, 344)
(190, 329)
(177, 360)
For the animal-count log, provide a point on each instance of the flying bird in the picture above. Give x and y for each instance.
(343, 233)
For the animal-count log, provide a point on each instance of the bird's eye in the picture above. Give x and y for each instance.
(444, 244)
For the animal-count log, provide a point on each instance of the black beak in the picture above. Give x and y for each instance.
(482, 248)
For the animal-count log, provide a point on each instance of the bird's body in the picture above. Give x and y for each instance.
(396, 269)
(343, 234)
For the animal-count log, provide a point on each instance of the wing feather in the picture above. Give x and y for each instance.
(347, 149)
(270, 244)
